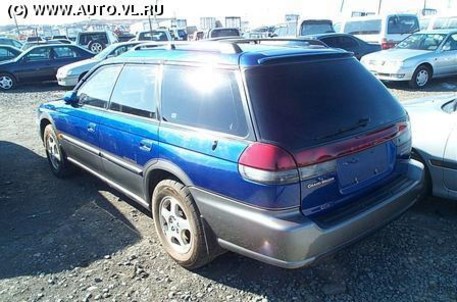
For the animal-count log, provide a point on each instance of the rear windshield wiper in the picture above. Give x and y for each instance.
(363, 122)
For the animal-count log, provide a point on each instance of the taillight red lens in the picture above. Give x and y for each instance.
(268, 164)
(267, 157)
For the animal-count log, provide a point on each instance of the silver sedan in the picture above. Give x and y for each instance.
(416, 59)
(434, 129)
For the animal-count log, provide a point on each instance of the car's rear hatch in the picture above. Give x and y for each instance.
(343, 128)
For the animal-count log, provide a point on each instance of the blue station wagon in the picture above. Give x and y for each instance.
(278, 153)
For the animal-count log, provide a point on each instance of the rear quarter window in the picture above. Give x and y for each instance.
(204, 98)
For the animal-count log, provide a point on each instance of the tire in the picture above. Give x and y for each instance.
(427, 184)
(421, 77)
(7, 82)
(178, 225)
(96, 46)
(58, 163)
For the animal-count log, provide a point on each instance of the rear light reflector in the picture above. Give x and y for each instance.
(403, 139)
(268, 164)
(387, 44)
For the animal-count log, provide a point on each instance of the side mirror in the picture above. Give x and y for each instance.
(70, 97)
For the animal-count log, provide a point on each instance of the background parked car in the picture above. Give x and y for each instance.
(153, 35)
(35, 39)
(221, 32)
(417, 59)
(95, 41)
(8, 52)
(349, 43)
(314, 26)
(71, 74)
(10, 42)
(28, 45)
(386, 30)
(434, 128)
(39, 63)
(441, 22)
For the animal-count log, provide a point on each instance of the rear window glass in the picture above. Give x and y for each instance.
(226, 32)
(363, 27)
(398, 25)
(85, 39)
(153, 36)
(205, 98)
(304, 104)
(315, 27)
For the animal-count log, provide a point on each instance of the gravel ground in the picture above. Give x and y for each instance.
(79, 240)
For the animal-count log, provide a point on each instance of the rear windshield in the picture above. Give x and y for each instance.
(363, 27)
(316, 27)
(85, 39)
(227, 32)
(399, 25)
(304, 104)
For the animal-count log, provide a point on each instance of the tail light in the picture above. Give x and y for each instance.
(387, 44)
(272, 165)
(403, 139)
(268, 164)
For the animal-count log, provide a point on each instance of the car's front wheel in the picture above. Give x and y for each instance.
(421, 77)
(7, 81)
(178, 225)
(58, 163)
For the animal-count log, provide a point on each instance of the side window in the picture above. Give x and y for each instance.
(451, 43)
(97, 89)
(348, 43)
(39, 54)
(202, 97)
(135, 91)
(64, 52)
(332, 42)
(5, 53)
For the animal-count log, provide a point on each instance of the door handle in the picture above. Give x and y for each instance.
(91, 127)
(146, 145)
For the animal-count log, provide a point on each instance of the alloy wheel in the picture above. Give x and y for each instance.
(175, 225)
(6, 82)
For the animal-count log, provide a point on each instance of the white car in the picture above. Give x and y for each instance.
(417, 59)
(71, 74)
(434, 140)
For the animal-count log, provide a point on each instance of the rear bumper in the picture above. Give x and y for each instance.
(287, 238)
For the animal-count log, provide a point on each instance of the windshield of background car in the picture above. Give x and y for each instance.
(315, 27)
(300, 105)
(226, 32)
(445, 23)
(422, 42)
(363, 27)
(399, 25)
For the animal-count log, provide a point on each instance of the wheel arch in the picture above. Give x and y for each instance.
(159, 171)
(45, 119)
(429, 66)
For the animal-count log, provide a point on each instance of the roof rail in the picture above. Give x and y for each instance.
(210, 46)
(260, 40)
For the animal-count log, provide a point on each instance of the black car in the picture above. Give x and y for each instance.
(8, 52)
(39, 63)
(347, 42)
(10, 42)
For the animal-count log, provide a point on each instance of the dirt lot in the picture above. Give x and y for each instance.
(79, 240)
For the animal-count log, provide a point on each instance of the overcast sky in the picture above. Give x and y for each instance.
(257, 11)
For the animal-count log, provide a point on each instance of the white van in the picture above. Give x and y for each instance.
(386, 30)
